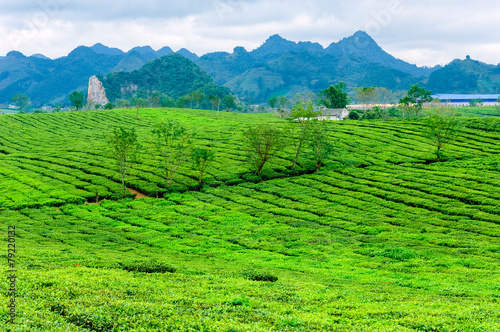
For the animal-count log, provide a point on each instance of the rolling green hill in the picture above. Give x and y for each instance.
(383, 239)
(466, 76)
(172, 74)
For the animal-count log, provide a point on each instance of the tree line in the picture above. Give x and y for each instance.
(170, 146)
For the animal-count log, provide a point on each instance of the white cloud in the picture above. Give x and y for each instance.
(425, 32)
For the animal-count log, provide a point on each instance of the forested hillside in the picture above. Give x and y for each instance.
(172, 75)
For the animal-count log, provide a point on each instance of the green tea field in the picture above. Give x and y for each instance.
(383, 238)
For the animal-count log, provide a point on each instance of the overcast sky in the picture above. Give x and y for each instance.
(424, 32)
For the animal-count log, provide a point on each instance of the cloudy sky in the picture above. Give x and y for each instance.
(425, 32)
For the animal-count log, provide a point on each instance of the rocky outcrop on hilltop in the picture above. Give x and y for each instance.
(97, 94)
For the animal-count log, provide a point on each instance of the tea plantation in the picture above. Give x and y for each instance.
(383, 238)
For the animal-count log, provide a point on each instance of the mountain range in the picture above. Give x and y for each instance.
(277, 67)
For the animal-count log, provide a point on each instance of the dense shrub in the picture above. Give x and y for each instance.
(353, 115)
(261, 276)
(151, 266)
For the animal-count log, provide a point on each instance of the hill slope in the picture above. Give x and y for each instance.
(172, 74)
(466, 76)
(396, 243)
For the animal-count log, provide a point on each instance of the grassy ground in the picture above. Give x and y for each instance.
(383, 239)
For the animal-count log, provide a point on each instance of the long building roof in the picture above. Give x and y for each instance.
(465, 96)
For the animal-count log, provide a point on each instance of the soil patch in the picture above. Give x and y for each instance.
(137, 193)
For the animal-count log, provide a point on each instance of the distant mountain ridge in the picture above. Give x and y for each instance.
(283, 67)
(277, 67)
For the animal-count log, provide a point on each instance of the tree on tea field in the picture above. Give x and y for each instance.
(272, 101)
(202, 158)
(335, 96)
(197, 96)
(320, 143)
(77, 99)
(154, 98)
(215, 102)
(264, 143)
(229, 102)
(441, 128)
(282, 102)
(414, 100)
(299, 131)
(21, 101)
(170, 146)
(124, 149)
(366, 95)
(138, 103)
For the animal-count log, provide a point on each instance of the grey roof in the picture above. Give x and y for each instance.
(464, 96)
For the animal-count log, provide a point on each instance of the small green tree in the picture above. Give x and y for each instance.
(109, 106)
(21, 101)
(414, 100)
(202, 158)
(229, 102)
(273, 102)
(138, 103)
(319, 143)
(442, 128)
(57, 108)
(154, 98)
(183, 102)
(124, 149)
(475, 102)
(353, 115)
(170, 142)
(335, 96)
(215, 102)
(197, 96)
(282, 102)
(77, 99)
(303, 115)
(264, 143)
(366, 95)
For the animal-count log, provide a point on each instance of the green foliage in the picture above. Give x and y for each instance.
(138, 103)
(77, 99)
(109, 106)
(415, 99)
(21, 101)
(353, 115)
(465, 76)
(475, 102)
(202, 158)
(282, 103)
(229, 102)
(335, 96)
(366, 95)
(124, 148)
(393, 112)
(170, 143)
(374, 113)
(151, 266)
(197, 96)
(261, 276)
(320, 143)
(171, 75)
(303, 114)
(442, 128)
(215, 102)
(273, 101)
(264, 142)
(154, 98)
